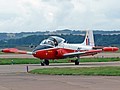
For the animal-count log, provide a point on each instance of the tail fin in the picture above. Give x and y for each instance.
(89, 38)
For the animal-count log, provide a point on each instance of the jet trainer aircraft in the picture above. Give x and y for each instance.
(56, 48)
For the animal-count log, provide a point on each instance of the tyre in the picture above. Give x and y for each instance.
(46, 62)
(42, 64)
(76, 62)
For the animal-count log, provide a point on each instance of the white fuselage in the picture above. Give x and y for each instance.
(75, 46)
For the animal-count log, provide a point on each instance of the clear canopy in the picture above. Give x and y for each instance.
(53, 40)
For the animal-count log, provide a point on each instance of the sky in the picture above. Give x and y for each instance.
(51, 15)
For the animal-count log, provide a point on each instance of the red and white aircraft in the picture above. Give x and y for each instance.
(56, 48)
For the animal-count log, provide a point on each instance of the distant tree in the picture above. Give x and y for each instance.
(100, 40)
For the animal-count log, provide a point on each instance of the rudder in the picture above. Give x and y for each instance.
(89, 38)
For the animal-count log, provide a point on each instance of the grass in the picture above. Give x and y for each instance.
(1, 53)
(87, 60)
(7, 61)
(94, 71)
(99, 59)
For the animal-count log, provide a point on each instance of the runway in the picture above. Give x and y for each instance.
(23, 81)
(15, 77)
(23, 68)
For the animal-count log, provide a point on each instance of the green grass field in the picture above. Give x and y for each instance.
(6, 61)
(94, 71)
(1, 53)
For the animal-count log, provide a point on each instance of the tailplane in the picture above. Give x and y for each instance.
(89, 39)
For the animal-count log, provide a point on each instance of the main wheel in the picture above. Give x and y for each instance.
(42, 63)
(46, 62)
(76, 62)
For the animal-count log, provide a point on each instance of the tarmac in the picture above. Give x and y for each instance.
(15, 77)
(24, 81)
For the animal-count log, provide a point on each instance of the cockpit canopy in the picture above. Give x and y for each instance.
(53, 41)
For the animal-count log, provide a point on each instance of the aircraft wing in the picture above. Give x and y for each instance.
(92, 52)
(14, 50)
(84, 53)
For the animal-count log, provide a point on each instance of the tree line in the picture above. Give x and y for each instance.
(100, 40)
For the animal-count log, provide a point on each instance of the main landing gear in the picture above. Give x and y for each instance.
(77, 61)
(45, 62)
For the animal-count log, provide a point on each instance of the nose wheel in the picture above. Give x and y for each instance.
(45, 62)
(77, 62)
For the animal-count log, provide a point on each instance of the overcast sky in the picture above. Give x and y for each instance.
(42, 15)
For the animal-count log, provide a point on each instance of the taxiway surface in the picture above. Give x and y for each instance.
(15, 77)
(23, 81)
(23, 68)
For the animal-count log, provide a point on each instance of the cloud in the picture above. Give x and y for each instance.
(42, 15)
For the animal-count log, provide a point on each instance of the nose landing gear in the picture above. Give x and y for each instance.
(77, 62)
(45, 62)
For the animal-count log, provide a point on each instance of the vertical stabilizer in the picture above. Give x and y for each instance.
(89, 38)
